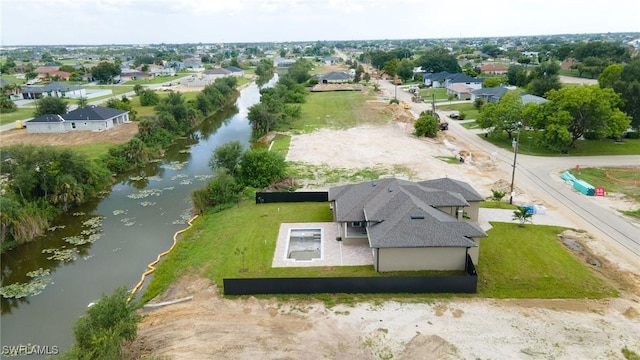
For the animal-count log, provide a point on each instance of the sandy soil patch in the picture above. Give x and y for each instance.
(576, 80)
(212, 327)
(117, 135)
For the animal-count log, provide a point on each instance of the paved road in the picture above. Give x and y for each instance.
(539, 175)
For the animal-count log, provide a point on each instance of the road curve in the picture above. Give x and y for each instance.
(540, 176)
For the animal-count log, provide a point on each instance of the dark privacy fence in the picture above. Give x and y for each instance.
(356, 285)
(307, 196)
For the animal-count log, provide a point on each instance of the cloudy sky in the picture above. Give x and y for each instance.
(55, 22)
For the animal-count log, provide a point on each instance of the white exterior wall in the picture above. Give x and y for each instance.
(415, 259)
(44, 128)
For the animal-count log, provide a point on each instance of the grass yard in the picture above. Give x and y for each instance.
(449, 159)
(20, 114)
(515, 262)
(470, 111)
(489, 204)
(597, 177)
(281, 144)
(338, 110)
(156, 80)
(13, 79)
(441, 94)
(535, 146)
(91, 151)
(470, 125)
(530, 262)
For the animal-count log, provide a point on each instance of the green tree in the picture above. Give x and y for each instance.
(494, 81)
(259, 168)
(439, 59)
(227, 156)
(405, 69)
(497, 196)
(426, 125)
(137, 88)
(51, 105)
(629, 89)
(83, 102)
(366, 77)
(610, 75)
(299, 71)
(492, 50)
(522, 215)
(505, 115)
(105, 71)
(544, 78)
(106, 326)
(149, 98)
(589, 109)
(30, 75)
(7, 106)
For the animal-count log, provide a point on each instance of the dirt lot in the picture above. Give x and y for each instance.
(217, 328)
(117, 135)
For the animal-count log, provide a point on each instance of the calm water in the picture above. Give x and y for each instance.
(138, 219)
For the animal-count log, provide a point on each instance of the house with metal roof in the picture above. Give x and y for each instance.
(334, 77)
(91, 118)
(489, 95)
(235, 71)
(410, 226)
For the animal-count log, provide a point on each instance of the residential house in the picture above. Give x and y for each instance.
(167, 71)
(489, 95)
(428, 225)
(444, 79)
(91, 118)
(460, 91)
(329, 60)
(528, 98)
(334, 77)
(55, 89)
(9, 87)
(494, 69)
(283, 63)
(235, 71)
(135, 75)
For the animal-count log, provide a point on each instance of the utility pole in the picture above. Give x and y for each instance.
(515, 144)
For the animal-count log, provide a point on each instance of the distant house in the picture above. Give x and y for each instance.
(216, 73)
(410, 226)
(55, 89)
(135, 75)
(163, 72)
(444, 79)
(92, 118)
(334, 77)
(8, 83)
(329, 60)
(235, 71)
(528, 98)
(489, 95)
(494, 69)
(460, 91)
(283, 63)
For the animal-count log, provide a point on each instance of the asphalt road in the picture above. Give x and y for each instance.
(539, 176)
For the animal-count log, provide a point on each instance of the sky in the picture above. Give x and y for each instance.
(97, 22)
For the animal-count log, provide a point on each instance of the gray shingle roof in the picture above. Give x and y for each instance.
(453, 185)
(493, 91)
(54, 86)
(234, 69)
(402, 213)
(47, 118)
(93, 113)
(335, 75)
(218, 71)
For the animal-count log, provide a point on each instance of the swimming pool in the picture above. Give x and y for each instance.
(304, 244)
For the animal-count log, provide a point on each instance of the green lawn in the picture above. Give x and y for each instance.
(13, 79)
(530, 262)
(468, 109)
(534, 146)
(20, 114)
(441, 94)
(92, 151)
(515, 262)
(339, 109)
(156, 80)
(597, 177)
(490, 204)
(281, 144)
(470, 125)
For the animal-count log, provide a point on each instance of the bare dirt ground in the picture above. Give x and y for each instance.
(576, 80)
(213, 327)
(117, 135)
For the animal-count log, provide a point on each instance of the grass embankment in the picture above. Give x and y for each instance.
(281, 144)
(535, 145)
(20, 114)
(515, 262)
(338, 110)
(158, 79)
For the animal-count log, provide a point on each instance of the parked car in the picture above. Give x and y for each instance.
(454, 115)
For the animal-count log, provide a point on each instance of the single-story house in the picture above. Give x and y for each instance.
(461, 91)
(489, 95)
(55, 74)
(91, 118)
(283, 63)
(55, 89)
(528, 98)
(163, 72)
(235, 71)
(494, 69)
(134, 75)
(10, 87)
(410, 226)
(444, 79)
(216, 73)
(330, 60)
(334, 77)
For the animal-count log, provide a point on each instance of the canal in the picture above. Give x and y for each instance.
(127, 228)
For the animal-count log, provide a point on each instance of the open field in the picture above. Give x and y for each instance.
(20, 114)
(469, 110)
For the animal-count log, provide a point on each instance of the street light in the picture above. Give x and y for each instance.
(514, 144)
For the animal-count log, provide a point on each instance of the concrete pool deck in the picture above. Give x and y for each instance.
(334, 253)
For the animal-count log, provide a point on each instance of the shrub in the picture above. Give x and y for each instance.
(426, 125)
(7, 106)
(462, 115)
(149, 98)
(477, 103)
(633, 135)
(259, 168)
(101, 332)
(592, 135)
(394, 101)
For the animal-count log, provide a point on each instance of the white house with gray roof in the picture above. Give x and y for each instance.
(55, 89)
(91, 118)
(411, 226)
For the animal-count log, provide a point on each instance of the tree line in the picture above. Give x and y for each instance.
(39, 183)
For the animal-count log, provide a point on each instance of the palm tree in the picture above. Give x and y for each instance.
(83, 102)
(523, 215)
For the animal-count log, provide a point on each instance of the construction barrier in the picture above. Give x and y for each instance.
(151, 267)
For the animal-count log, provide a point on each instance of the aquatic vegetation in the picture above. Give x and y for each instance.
(119, 212)
(79, 213)
(203, 177)
(60, 254)
(186, 182)
(136, 178)
(147, 203)
(154, 178)
(128, 221)
(179, 176)
(145, 193)
(32, 288)
(39, 272)
(174, 165)
(185, 151)
(169, 188)
(54, 228)
(94, 222)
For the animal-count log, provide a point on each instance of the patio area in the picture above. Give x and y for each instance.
(332, 252)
